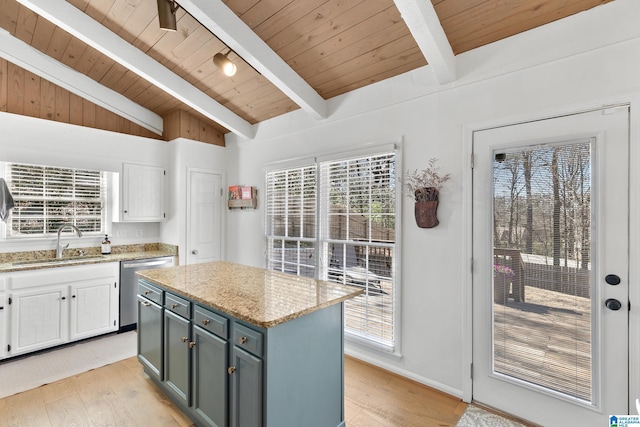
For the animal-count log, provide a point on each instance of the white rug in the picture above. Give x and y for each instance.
(33, 371)
(477, 417)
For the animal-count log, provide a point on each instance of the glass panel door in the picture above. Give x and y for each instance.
(550, 229)
(542, 266)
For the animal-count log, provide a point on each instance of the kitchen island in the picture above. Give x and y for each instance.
(234, 345)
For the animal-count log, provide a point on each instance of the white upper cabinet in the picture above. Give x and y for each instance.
(142, 194)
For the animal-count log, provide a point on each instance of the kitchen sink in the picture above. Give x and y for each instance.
(56, 261)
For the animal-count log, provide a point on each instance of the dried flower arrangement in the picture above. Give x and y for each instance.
(424, 185)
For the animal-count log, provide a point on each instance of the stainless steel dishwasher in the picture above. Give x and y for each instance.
(129, 287)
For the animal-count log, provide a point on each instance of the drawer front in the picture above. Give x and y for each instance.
(149, 291)
(211, 322)
(247, 339)
(178, 305)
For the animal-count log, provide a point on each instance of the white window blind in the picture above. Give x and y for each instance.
(291, 220)
(48, 197)
(358, 232)
(354, 230)
(542, 258)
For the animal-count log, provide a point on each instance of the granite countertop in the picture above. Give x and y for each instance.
(28, 260)
(261, 297)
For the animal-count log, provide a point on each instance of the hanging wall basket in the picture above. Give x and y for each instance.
(424, 187)
(426, 214)
(426, 207)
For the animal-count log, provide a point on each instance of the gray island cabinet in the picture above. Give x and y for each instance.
(241, 346)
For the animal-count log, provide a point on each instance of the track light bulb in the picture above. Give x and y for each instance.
(167, 14)
(221, 61)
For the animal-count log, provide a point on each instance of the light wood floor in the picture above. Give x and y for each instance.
(122, 395)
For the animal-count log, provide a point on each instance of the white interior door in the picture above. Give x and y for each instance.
(550, 249)
(204, 225)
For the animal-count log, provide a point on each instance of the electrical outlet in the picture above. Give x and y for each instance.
(139, 232)
(121, 233)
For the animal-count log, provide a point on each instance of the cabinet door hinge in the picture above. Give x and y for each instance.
(471, 265)
(629, 305)
(471, 370)
(472, 160)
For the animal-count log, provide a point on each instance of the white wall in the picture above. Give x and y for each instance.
(187, 154)
(583, 59)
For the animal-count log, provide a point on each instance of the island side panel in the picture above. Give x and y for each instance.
(304, 382)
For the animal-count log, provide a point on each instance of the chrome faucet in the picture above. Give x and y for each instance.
(60, 248)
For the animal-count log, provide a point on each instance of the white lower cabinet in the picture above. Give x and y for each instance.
(50, 307)
(3, 325)
(39, 319)
(94, 308)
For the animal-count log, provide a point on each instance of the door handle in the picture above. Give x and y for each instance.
(194, 252)
(613, 304)
(612, 279)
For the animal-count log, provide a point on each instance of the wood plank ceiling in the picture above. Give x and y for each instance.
(335, 46)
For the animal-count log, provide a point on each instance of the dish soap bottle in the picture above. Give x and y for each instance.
(106, 245)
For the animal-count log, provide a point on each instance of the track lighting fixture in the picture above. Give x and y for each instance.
(167, 14)
(223, 62)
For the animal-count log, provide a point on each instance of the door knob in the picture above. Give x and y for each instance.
(194, 252)
(612, 279)
(613, 304)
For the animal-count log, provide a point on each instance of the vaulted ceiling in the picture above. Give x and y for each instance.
(290, 54)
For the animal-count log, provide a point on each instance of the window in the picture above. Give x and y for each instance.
(344, 211)
(291, 220)
(47, 197)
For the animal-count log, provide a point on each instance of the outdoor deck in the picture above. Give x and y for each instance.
(545, 340)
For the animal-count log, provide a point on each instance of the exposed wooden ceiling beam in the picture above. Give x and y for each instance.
(233, 32)
(424, 24)
(25, 56)
(76, 23)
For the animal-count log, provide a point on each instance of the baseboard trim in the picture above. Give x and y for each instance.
(404, 373)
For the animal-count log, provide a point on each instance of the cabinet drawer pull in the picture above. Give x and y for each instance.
(174, 306)
(243, 340)
(146, 304)
(185, 339)
(147, 292)
(192, 344)
(205, 322)
(231, 369)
